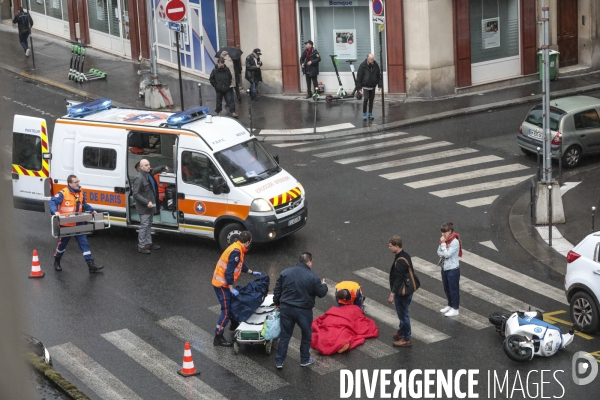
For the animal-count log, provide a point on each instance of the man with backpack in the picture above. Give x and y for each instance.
(24, 22)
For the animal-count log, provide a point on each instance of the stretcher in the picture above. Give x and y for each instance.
(250, 331)
(86, 223)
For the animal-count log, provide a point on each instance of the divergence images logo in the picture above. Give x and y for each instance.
(584, 368)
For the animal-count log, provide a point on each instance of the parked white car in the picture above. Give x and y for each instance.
(582, 283)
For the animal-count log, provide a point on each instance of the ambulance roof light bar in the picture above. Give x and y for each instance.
(186, 116)
(89, 107)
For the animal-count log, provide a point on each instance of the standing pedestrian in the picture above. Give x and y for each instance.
(24, 23)
(228, 270)
(449, 250)
(310, 67)
(368, 76)
(230, 64)
(161, 187)
(237, 66)
(71, 200)
(145, 194)
(294, 295)
(400, 269)
(221, 79)
(253, 72)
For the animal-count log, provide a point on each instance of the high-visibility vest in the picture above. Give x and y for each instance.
(351, 287)
(161, 187)
(69, 204)
(218, 279)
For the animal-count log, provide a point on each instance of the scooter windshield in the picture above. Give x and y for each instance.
(247, 162)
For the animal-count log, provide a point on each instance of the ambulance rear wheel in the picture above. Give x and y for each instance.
(229, 234)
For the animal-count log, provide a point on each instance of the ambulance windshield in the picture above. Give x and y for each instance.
(247, 162)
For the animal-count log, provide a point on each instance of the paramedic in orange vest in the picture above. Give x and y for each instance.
(348, 292)
(228, 269)
(71, 200)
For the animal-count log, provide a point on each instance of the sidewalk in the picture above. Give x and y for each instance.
(275, 117)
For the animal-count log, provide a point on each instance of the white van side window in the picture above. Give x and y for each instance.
(100, 158)
(197, 169)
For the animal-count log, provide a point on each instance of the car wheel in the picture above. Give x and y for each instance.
(584, 312)
(572, 157)
(229, 234)
(526, 152)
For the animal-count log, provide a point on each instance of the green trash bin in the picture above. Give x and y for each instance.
(553, 56)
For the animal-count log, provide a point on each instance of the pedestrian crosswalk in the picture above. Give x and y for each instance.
(256, 371)
(437, 163)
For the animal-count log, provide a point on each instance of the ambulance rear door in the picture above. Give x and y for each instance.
(30, 163)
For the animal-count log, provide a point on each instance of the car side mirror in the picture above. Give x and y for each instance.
(219, 185)
(276, 157)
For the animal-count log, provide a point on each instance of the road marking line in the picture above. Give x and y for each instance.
(161, 366)
(248, 370)
(372, 347)
(301, 131)
(288, 144)
(567, 186)
(489, 244)
(476, 289)
(92, 374)
(389, 317)
(481, 201)
(559, 243)
(480, 187)
(514, 277)
(372, 146)
(427, 299)
(441, 167)
(550, 318)
(463, 176)
(351, 141)
(323, 364)
(392, 153)
(423, 158)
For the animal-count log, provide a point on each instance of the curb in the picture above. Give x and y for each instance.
(55, 378)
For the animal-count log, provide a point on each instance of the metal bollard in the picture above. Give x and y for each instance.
(315, 98)
(593, 215)
(560, 154)
(550, 215)
(200, 92)
(539, 170)
(250, 110)
(532, 202)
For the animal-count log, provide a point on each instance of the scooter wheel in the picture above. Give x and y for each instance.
(329, 99)
(358, 96)
(514, 351)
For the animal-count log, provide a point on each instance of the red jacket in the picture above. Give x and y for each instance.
(341, 325)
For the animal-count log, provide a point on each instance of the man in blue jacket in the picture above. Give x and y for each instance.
(294, 295)
(24, 22)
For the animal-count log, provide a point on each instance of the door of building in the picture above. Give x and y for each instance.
(109, 26)
(567, 32)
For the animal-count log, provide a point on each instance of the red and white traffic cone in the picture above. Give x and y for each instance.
(36, 271)
(188, 364)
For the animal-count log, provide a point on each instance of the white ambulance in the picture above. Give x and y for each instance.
(220, 180)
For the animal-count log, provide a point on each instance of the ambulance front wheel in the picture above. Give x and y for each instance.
(229, 234)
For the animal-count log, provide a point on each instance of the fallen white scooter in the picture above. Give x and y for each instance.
(526, 335)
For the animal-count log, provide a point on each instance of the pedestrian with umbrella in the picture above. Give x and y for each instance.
(235, 54)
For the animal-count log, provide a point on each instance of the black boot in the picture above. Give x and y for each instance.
(57, 264)
(233, 325)
(93, 267)
(309, 95)
(221, 341)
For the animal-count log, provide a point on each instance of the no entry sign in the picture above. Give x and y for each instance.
(175, 10)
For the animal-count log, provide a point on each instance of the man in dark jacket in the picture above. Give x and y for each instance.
(145, 192)
(253, 72)
(397, 273)
(220, 79)
(368, 76)
(294, 294)
(24, 22)
(310, 67)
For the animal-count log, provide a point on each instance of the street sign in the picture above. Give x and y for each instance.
(175, 10)
(174, 26)
(378, 20)
(378, 12)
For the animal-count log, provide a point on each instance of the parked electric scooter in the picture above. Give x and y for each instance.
(341, 93)
(526, 335)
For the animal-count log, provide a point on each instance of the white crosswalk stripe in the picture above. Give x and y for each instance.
(441, 167)
(92, 374)
(502, 300)
(373, 146)
(248, 370)
(388, 316)
(423, 158)
(481, 201)
(427, 299)
(480, 187)
(351, 141)
(464, 176)
(161, 366)
(514, 277)
(392, 153)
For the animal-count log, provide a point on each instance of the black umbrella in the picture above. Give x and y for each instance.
(233, 52)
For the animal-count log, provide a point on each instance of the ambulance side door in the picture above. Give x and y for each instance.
(30, 163)
(198, 206)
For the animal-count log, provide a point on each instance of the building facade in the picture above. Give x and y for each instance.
(426, 49)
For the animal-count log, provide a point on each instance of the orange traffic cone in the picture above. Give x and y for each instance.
(188, 364)
(36, 271)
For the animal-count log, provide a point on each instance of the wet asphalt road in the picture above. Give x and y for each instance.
(352, 214)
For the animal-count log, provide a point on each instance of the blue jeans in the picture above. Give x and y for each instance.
(84, 246)
(290, 316)
(228, 96)
(450, 281)
(23, 36)
(224, 296)
(402, 303)
(253, 89)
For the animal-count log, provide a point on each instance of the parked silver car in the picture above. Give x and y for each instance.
(574, 121)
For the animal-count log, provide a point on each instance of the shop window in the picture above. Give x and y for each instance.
(54, 9)
(51, 8)
(99, 158)
(494, 29)
(221, 24)
(99, 17)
